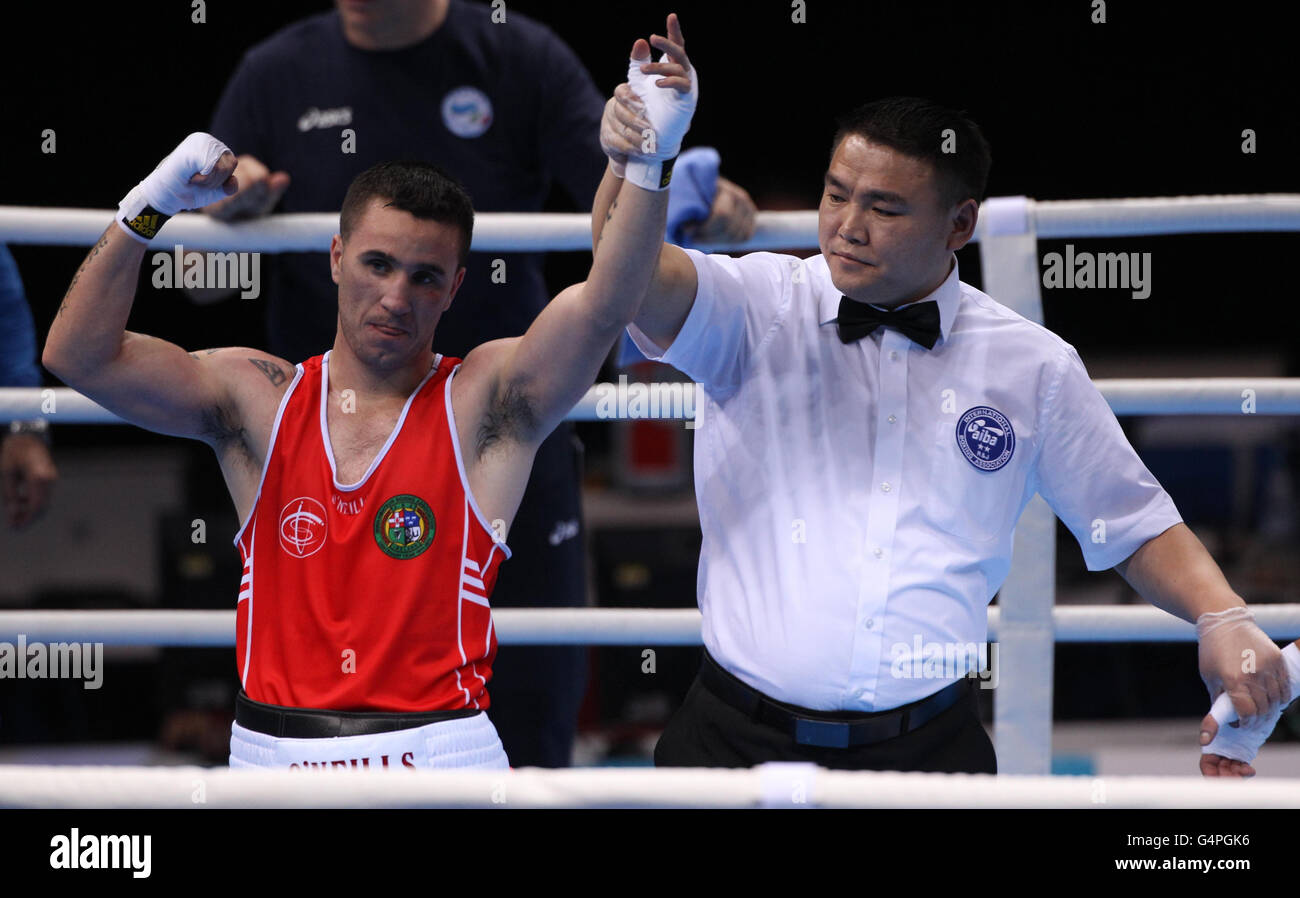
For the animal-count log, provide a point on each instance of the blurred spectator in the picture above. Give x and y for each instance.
(27, 471)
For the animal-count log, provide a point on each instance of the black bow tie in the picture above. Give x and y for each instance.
(919, 321)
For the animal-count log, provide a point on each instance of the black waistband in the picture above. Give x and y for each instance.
(311, 723)
(828, 729)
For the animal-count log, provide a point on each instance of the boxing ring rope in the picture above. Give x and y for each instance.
(1165, 396)
(764, 786)
(590, 626)
(1027, 626)
(541, 231)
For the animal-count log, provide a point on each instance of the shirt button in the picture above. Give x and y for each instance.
(893, 355)
(884, 487)
(871, 621)
(879, 552)
(892, 419)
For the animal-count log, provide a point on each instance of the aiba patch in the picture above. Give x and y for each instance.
(986, 438)
(467, 112)
(404, 526)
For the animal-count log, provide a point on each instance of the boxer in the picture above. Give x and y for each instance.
(376, 482)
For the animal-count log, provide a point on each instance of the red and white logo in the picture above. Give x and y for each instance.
(302, 527)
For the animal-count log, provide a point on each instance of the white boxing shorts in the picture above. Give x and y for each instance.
(461, 743)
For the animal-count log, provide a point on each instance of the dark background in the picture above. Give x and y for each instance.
(1151, 103)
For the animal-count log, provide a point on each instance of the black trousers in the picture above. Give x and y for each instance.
(708, 732)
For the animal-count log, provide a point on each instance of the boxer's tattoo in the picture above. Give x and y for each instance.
(274, 373)
(608, 216)
(103, 241)
(510, 414)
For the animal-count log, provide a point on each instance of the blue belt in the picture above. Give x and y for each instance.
(842, 730)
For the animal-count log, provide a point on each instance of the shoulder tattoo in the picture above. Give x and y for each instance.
(274, 373)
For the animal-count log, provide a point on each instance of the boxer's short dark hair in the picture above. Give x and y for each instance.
(916, 128)
(421, 188)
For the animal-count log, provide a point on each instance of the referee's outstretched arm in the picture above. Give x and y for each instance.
(1175, 572)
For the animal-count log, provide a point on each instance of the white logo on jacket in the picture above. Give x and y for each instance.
(325, 118)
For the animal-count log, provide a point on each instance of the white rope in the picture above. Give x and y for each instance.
(764, 786)
(1142, 623)
(311, 232)
(591, 626)
(535, 232)
(1167, 215)
(1202, 395)
(514, 626)
(611, 401)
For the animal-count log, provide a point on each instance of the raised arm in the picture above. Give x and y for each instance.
(549, 369)
(671, 292)
(150, 382)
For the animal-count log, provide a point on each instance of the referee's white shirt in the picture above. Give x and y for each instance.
(846, 521)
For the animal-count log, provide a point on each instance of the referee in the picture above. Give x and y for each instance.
(869, 431)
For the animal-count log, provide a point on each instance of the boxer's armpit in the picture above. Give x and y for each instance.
(220, 427)
(510, 415)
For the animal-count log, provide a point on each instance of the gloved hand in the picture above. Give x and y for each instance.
(1227, 750)
(1238, 658)
(621, 127)
(1241, 743)
(193, 175)
(669, 101)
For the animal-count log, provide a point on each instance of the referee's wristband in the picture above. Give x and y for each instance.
(650, 174)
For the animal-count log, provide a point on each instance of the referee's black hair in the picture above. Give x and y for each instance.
(421, 188)
(918, 128)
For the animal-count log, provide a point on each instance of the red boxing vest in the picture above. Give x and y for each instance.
(372, 596)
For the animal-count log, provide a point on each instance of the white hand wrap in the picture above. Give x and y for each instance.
(167, 190)
(669, 113)
(1242, 743)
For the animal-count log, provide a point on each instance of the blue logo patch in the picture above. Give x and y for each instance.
(467, 112)
(985, 437)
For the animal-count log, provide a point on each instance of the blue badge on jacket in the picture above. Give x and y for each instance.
(985, 437)
(467, 112)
